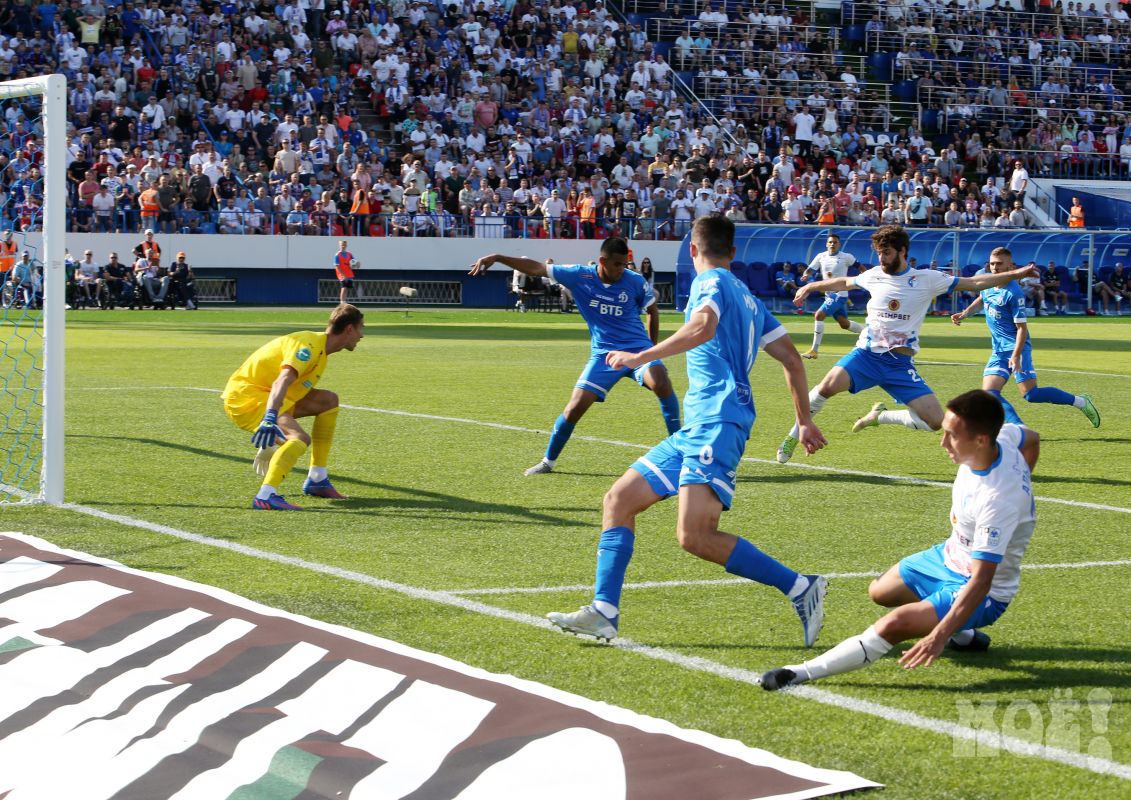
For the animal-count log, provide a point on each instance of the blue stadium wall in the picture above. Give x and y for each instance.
(761, 249)
(1109, 210)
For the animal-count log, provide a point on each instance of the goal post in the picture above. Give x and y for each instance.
(47, 94)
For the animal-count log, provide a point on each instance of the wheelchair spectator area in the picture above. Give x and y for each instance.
(579, 119)
(767, 258)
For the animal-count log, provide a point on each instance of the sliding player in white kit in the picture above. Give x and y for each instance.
(946, 593)
(833, 263)
(884, 353)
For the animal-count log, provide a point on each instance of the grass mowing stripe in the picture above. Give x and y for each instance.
(1004, 742)
(741, 581)
(633, 445)
(1043, 369)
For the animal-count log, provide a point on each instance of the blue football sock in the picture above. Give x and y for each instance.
(1010, 411)
(1050, 394)
(669, 407)
(613, 554)
(749, 562)
(563, 429)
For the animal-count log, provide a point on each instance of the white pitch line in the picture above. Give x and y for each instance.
(634, 446)
(899, 716)
(578, 587)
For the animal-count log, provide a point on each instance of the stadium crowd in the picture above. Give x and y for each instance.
(513, 118)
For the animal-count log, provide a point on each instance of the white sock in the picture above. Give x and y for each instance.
(265, 492)
(1079, 401)
(907, 418)
(963, 637)
(816, 403)
(852, 653)
(854, 326)
(317, 474)
(799, 587)
(606, 608)
(818, 334)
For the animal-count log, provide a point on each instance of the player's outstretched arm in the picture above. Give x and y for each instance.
(700, 328)
(969, 598)
(527, 266)
(827, 285)
(988, 280)
(783, 350)
(964, 313)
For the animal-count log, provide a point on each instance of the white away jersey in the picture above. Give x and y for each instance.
(992, 515)
(898, 305)
(828, 266)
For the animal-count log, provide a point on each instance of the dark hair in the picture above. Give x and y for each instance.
(614, 246)
(893, 236)
(714, 235)
(980, 411)
(343, 316)
(646, 271)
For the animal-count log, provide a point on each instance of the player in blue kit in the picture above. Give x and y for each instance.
(724, 329)
(1012, 348)
(884, 355)
(611, 299)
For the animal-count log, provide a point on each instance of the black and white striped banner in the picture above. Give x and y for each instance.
(116, 683)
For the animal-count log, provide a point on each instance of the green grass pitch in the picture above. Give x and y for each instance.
(441, 504)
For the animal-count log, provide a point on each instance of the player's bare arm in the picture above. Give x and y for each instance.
(966, 312)
(971, 596)
(1031, 450)
(527, 266)
(700, 328)
(287, 376)
(783, 350)
(653, 323)
(989, 280)
(827, 285)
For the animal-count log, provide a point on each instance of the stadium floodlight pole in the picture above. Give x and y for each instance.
(53, 90)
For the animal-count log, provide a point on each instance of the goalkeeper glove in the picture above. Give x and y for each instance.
(268, 431)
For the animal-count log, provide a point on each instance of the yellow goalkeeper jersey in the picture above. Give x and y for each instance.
(303, 351)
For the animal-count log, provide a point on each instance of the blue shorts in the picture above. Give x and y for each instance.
(999, 365)
(706, 454)
(598, 377)
(928, 576)
(892, 372)
(835, 307)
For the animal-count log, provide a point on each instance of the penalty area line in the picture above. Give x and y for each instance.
(1010, 744)
(632, 445)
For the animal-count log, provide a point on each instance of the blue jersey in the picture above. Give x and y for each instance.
(718, 371)
(1005, 307)
(612, 312)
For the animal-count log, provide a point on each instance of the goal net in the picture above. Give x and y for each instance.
(32, 285)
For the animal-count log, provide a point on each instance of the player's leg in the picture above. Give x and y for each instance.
(655, 377)
(592, 386)
(847, 324)
(839, 379)
(282, 462)
(994, 376)
(902, 381)
(324, 407)
(818, 332)
(1027, 385)
(645, 484)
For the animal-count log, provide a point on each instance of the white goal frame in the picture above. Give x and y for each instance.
(53, 90)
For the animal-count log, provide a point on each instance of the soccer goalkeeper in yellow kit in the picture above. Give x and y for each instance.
(274, 388)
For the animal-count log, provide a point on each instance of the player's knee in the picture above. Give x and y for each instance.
(880, 594)
(843, 323)
(300, 435)
(896, 626)
(691, 539)
(331, 400)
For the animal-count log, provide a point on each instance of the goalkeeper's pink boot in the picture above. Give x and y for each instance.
(322, 488)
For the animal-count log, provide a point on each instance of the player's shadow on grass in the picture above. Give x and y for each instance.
(1042, 479)
(1034, 668)
(1091, 440)
(413, 500)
